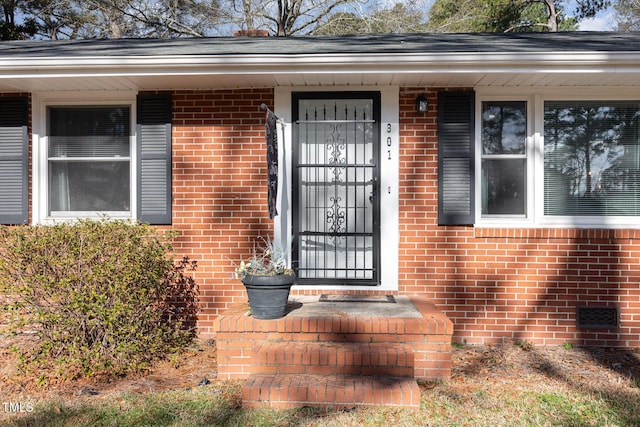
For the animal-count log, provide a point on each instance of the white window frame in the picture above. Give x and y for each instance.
(388, 188)
(536, 98)
(495, 219)
(41, 102)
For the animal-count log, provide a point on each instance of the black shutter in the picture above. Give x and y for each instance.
(456, 142)
(14, 160)
(153, 131)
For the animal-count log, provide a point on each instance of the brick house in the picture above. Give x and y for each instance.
(511, 199)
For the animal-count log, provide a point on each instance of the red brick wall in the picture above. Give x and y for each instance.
(219, 188)
(494, 284)
(498, 284)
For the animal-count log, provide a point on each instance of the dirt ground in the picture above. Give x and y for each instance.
(594, 368)
(579, 367)
(180, 371)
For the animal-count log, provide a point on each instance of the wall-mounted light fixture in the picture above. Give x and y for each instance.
(422, 104)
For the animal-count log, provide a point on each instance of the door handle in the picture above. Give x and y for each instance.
(374, 189)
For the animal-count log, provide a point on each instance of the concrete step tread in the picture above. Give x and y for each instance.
(371, 346)
(334, 391)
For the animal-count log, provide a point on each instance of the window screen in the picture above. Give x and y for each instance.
(89, 159)
(591, 158)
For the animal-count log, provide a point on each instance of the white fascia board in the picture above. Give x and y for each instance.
(574, 62)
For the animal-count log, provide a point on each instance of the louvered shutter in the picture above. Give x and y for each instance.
(14, 160)
(456, 158)
(153, 131)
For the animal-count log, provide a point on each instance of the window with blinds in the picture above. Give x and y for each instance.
(591, 158)
(89, 159)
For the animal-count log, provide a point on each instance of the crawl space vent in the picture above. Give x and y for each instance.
(597, 317)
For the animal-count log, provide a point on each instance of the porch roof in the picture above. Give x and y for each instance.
(478, 60)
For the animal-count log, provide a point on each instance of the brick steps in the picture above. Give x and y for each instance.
(333, 391)
(334, 374)
(335, 358)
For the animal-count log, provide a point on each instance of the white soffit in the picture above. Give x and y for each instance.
(260, 71)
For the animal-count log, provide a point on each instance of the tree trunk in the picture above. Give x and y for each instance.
(552, 22)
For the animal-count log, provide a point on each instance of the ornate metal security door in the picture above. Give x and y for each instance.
(335, 200)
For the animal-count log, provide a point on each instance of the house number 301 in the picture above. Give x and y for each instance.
(389, 141)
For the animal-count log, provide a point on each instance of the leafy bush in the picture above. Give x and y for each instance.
(104, 297)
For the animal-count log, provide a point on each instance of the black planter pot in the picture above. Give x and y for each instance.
(268, 295)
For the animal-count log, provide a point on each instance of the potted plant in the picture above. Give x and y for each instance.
(268, 280)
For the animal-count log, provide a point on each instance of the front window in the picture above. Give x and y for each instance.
(591, 158)
(504, 158)
(89, 160)
(545, 161)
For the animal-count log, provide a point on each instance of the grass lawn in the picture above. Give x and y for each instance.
(506, 385)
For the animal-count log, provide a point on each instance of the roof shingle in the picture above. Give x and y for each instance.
(360, 44)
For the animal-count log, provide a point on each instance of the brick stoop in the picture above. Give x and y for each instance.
(334, 359)
(332, 391)
(337, 358)
(332, 374)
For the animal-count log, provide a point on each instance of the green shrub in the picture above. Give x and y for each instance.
(104, 297)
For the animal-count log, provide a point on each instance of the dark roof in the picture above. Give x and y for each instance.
(367, 44)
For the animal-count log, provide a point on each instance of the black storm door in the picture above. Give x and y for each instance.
(335, 201)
